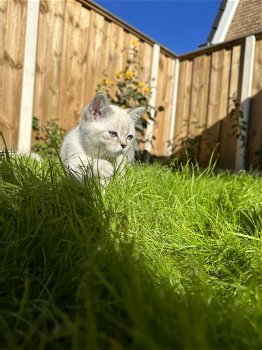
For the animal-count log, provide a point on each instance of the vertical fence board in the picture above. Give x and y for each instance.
(127, 44)
(200, 84)
(255, 128)
(166, 141)
(159, 123)
(96, 65)
(13, 69)
(107, 28)
(228, 137)
(54, 60)
(197, 87)
(69, 108)
(183, 105)
(116, 47)
(210, 138)
(223, 110)
(204, 154)
(164, 97)
(83, 56)
(49, 59)
(146, 62)
(94, 70)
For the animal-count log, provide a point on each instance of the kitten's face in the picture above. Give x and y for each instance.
(114, 133)
(108, 129)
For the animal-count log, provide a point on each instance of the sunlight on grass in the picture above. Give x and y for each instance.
(162, 258)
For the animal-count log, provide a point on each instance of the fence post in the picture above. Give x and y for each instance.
(27, 99)
(152, 100)
(246, 93)
(173, 110)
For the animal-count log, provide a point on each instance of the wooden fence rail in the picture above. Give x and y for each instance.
(77, 41)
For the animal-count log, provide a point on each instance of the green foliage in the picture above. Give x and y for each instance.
(239, 125)
(239, 129)
(189, 145)
(127, 91)
(47, 139)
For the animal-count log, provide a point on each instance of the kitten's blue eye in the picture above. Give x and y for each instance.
(113, 133)
(130, 137)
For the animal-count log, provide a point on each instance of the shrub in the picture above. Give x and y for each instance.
(47, 139)
(127, 91)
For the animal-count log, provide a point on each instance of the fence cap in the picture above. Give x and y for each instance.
(209, 48)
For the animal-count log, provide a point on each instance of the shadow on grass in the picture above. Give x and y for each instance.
(68, 280)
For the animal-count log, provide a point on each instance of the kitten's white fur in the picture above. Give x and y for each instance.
(91, 147)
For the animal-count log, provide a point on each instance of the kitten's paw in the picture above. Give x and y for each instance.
(105, 169)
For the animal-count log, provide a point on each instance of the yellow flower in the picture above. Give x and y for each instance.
(145, 117)
(129, 74)
(118, 73)
(134, 42)
(123, 106)
(141, 84)
(146, 89)
(105, 81)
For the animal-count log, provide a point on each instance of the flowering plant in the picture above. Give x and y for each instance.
(127, 90)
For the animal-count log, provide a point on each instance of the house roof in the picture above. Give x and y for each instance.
(222, 21)
(215, 24)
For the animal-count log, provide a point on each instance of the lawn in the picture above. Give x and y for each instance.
(162, 258)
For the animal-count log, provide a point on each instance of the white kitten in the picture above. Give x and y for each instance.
(103, 141)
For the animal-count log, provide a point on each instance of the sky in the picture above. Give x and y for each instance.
(179, 25)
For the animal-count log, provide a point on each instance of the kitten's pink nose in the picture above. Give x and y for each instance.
(123, 145)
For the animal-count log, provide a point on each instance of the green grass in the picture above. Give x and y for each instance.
(161, 259)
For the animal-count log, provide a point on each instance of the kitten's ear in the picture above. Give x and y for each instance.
(99, 104)
(96, 109)
(136, 113)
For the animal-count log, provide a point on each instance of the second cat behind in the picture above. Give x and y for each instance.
(103, 142)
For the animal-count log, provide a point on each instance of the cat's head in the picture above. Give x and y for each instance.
(109, 128)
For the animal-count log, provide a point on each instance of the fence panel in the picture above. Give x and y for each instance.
(12, 38)
(255, 128)
(208, 83)
(77, 45)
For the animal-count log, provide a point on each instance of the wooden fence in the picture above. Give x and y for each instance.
(78, 41)
(209, 103)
